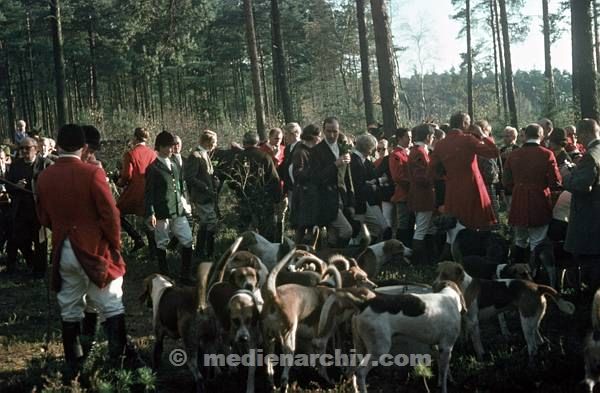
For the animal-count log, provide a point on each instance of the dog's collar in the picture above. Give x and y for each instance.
(258, 301)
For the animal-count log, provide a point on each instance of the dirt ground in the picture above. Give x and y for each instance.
(28, 360)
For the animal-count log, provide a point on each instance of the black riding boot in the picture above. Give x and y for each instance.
(186, 266)
(72, 349)
(129, 228)
(210, 244)
(518, 255)
(151, 243)
(163, 265)
(88, 331)
(200, 250)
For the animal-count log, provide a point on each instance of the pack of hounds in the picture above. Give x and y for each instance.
(303, 299)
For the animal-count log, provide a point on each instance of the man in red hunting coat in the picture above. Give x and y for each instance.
(75, 202)
(530, 173)
(398, 163)
(456, 158)
(421, 195)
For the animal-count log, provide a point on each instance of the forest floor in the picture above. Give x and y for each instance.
(29, 362)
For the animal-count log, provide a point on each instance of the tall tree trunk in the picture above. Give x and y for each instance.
(8, 93)
(550, 96)
(495, 44)
(32, 90)
(279, 60)
(23, 94)
(59, 62)
(510, 88)
(501, 61)
(161, 96)
(256, 80)
(596, 36)
(583, 57)
(469, 61)
(385, 65)
(365, 71)
(94, 100)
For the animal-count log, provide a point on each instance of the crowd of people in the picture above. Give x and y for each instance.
(547, 180)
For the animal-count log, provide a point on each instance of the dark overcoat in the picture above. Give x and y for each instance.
(583, 234)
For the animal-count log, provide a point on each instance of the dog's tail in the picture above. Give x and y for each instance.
(336, 303)
(365, 240)
(563, 305)
(219, 268)
(270, 290)
(596, 311)
(332, 272)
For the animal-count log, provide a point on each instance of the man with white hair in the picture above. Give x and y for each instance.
(20, 132)
(367, 188)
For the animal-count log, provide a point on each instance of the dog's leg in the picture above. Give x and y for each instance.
(445, 352)
(376, 344)
(158, 348)
(503, 325)
(270, 349)
(251, 375)
(287, 348)
(190, 343)
(472, 326)
(529, 326)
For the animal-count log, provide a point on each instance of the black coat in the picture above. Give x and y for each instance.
(255, 176)
(305, 199)
(325, 177)
(364, 193)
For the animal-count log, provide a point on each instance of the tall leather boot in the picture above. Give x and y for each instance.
(518, 255)
(431, 248)
(72, 349)
(210, 244)
(419, 256)
(405, 236)
(120, 351)
(151, 243)
(446, 254)
(545, 255)
(88, 332)
(200, 250)
(186, 266)
(163, 265)
(129, 228)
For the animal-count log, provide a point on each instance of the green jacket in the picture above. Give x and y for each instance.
(163, 191)
(199, 177)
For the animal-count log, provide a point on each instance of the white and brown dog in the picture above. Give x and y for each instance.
(286, 308)
(175, 314)
(431, 318)
(591, 349)
(486, 298)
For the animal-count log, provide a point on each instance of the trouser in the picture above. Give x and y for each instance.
(339, 231)
(423, 225)
(374, 220)
(77, 291)
(25, 238)
(178, 226)
(535, 235)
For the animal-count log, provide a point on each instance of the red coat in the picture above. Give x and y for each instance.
(133, 177)
(466, 196)
(74, 201)
(421, 196)
(398, 169)
(530, 172)
(277, 158)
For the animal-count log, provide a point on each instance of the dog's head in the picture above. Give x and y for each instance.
(244, 316)
(151, 283)
(450, 271)
(352, 275)
(246, 271)
(394, 250)
(439, 286)
(444, 222)
(591, 354)
(520, 271)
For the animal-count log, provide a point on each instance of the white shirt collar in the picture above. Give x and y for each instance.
(537, 142)
(420, 144)
(165, 161)
(360, 155)
(69, 155)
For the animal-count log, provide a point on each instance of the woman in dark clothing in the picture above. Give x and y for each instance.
(306, 195)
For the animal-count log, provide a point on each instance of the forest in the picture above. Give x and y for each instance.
(235, 66)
